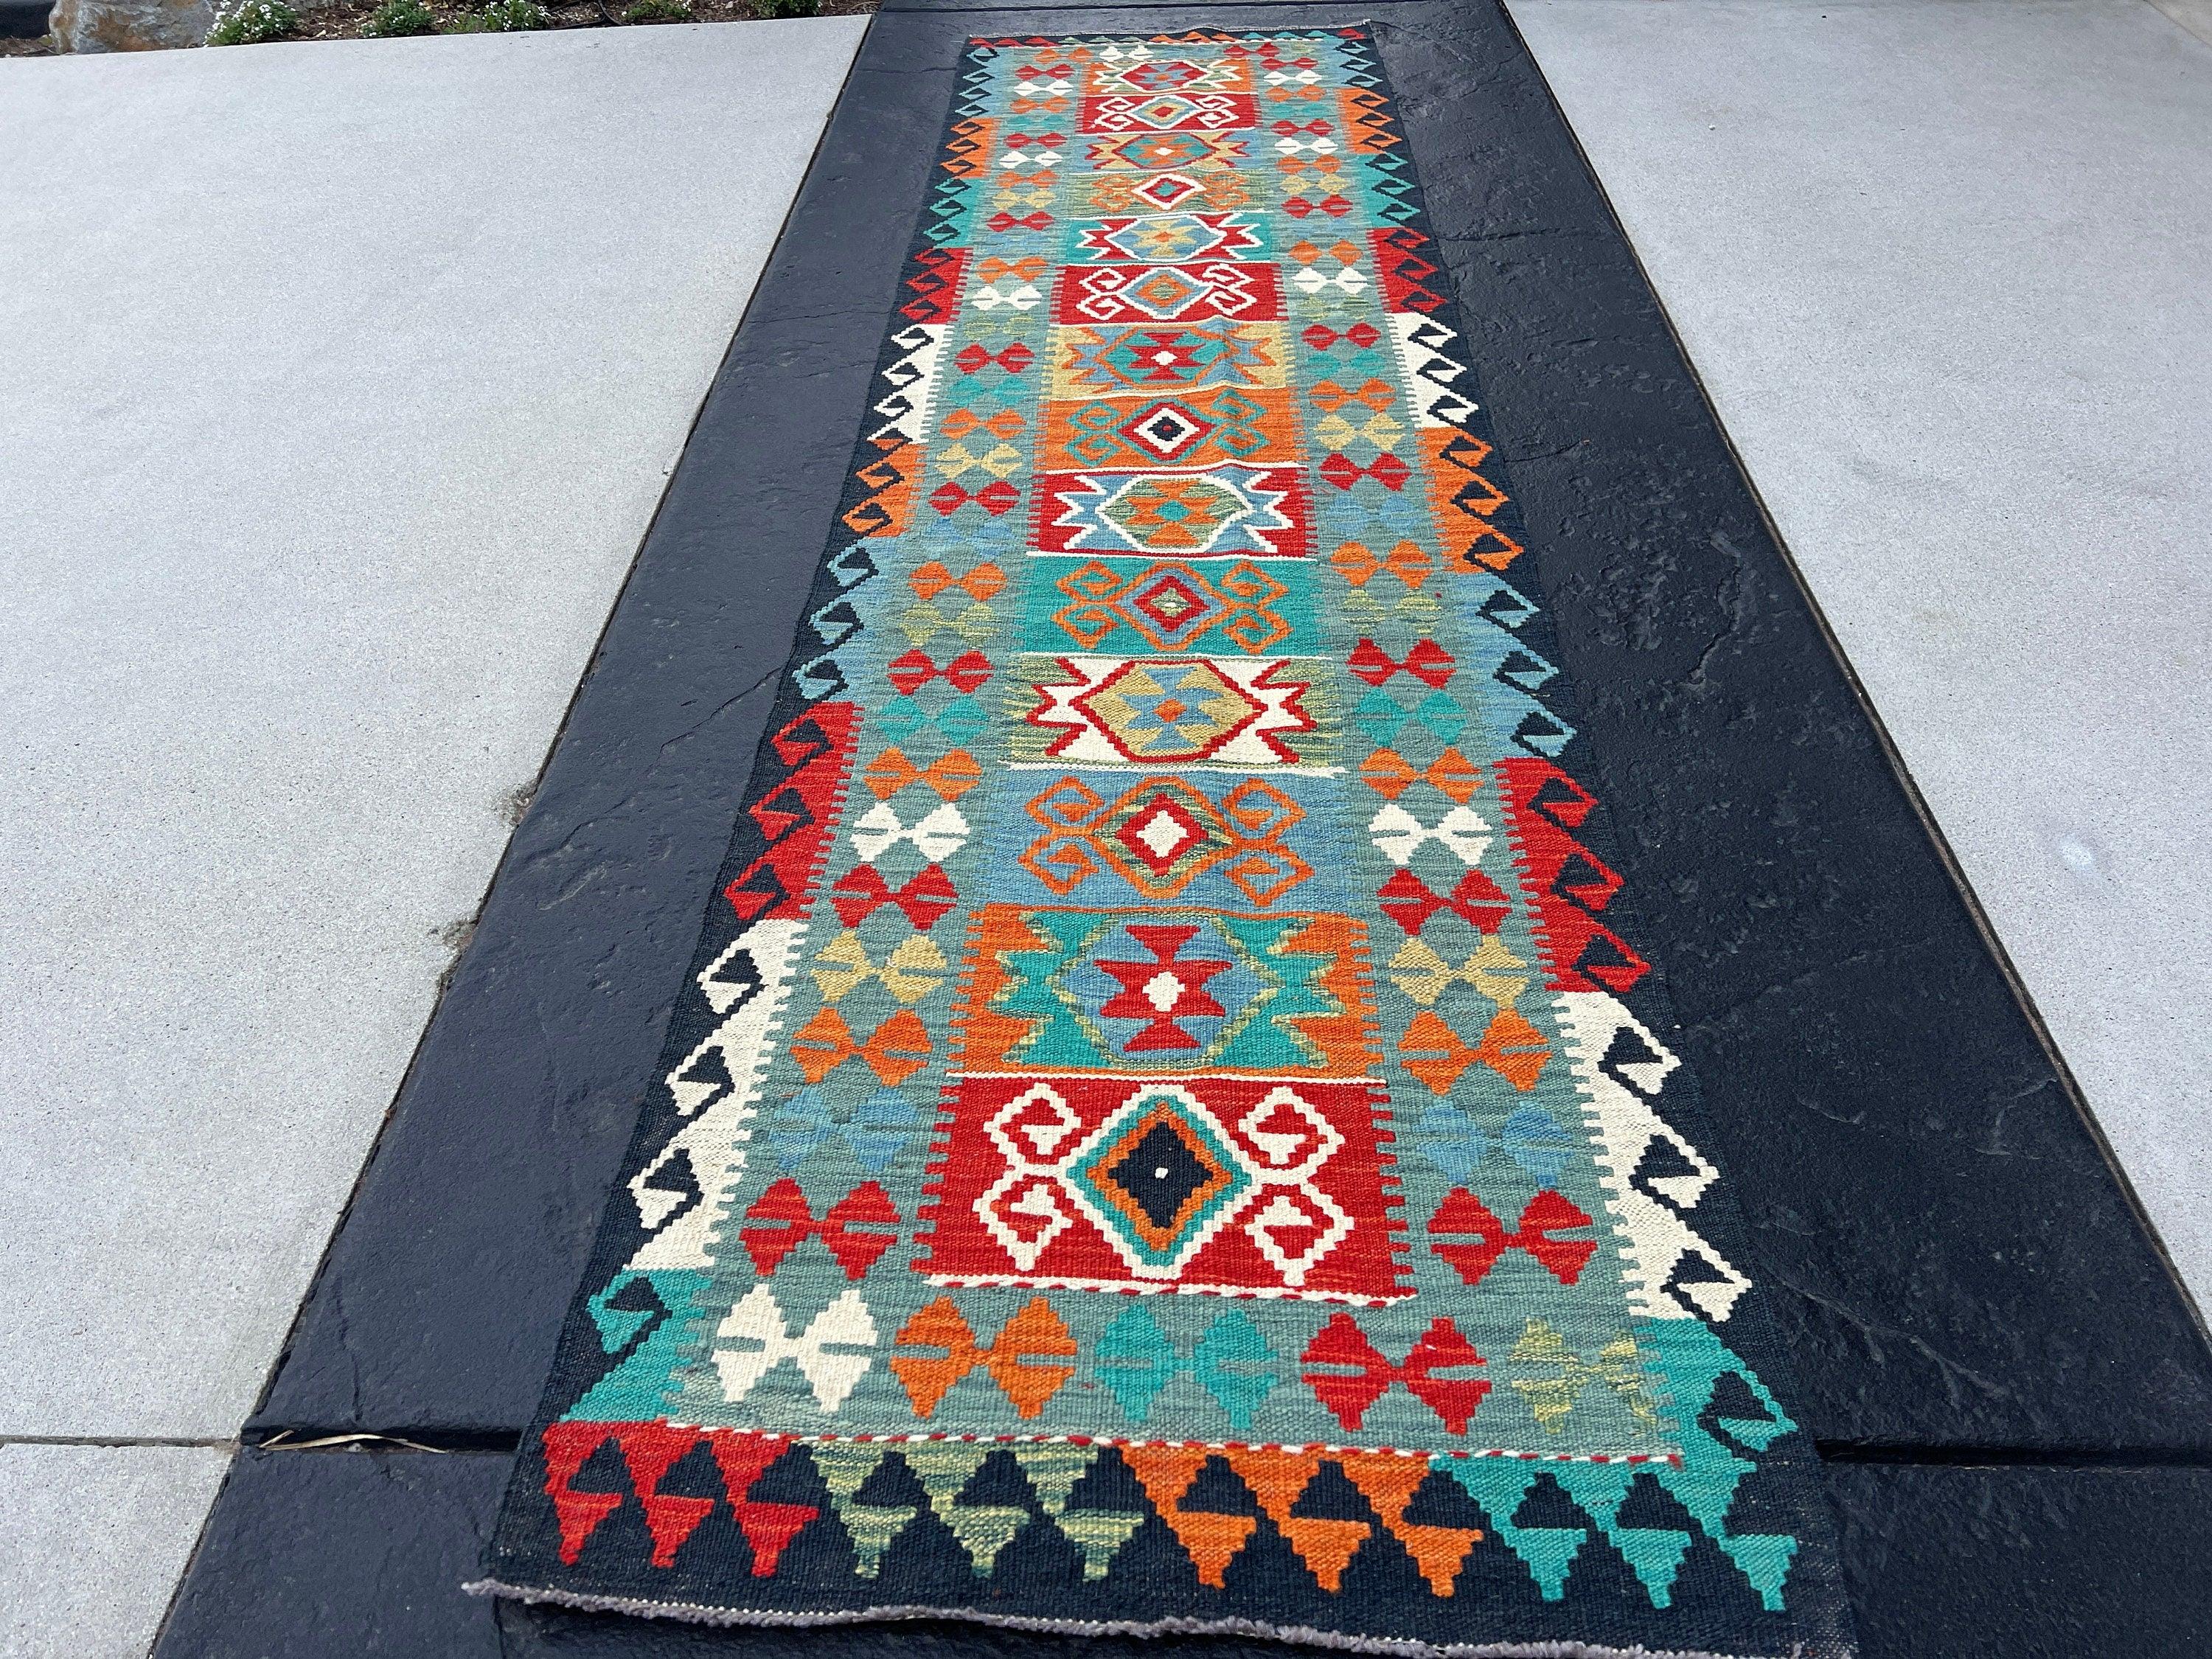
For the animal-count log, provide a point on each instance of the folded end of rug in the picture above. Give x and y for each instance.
(1303, 1635)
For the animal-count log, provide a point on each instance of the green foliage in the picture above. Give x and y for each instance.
(251, 21)
(658, 11)
(502, 16)
(398, 17)
(785, 8)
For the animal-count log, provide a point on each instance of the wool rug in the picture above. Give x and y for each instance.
(1159, 1133)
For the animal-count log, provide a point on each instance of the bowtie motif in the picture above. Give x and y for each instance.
(922, 624)
(937, 835)
(913, 968)
(1552, 1399)
(1424, 975)
(915, 669)
(977, 356)
(1399, 835)
(782, 1221)
(1346, 279)
(1359, 564)
(991, 268)
(1032, 1358)
(1375, 394)
(1548, 1213)
(1384, 719)
(1437, 1054)
(923, 900)
(1451, 774)
(1381, 430)
(1359, 1374)
(1374, 607)
(1006, 423)
(949, 776)
(1477, 899)
(822, 1352)
(874, 1130)
(895, 1052)
(1385, 469)
(1019, 154)
(1456, 1144)
(1135, 1360)
(1362, 336)
(1427, 662)
(961, 720)
(1011, 291)
(984, 581)
(996, 498)
(1000, 460)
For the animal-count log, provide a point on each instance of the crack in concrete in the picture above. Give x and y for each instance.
(1731, 597)
(1872, 1333)
(346, 1347)
(1727, 1009)
(119, 1442)
(721, 708)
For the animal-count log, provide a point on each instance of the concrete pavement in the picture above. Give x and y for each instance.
(343, 380)
(354, 381)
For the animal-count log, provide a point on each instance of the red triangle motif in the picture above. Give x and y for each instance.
(651, 1450)
(769, 1528)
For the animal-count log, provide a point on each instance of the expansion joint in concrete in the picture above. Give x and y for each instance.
(98, 1440)
(2013, 1457)
(503, 1443)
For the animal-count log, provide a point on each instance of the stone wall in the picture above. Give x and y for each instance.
(130, 25)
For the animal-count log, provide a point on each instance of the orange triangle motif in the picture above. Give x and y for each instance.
(1388, 1482)
(1387, 774)
(1453, 777)
(1166, 1473)
(1277, 1478)
(1326, 1547)
(1514, 1049)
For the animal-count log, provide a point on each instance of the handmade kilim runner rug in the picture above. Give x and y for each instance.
(1159, 1133)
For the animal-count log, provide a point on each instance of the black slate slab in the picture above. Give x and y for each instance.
(341, 1553)
(362, 1554)
(1954, 1262)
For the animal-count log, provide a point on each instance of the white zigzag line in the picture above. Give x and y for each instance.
(1654, 1238)
(714, 1139)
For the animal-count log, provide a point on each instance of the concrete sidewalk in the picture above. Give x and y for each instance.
(343, 380)
(347, 378)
